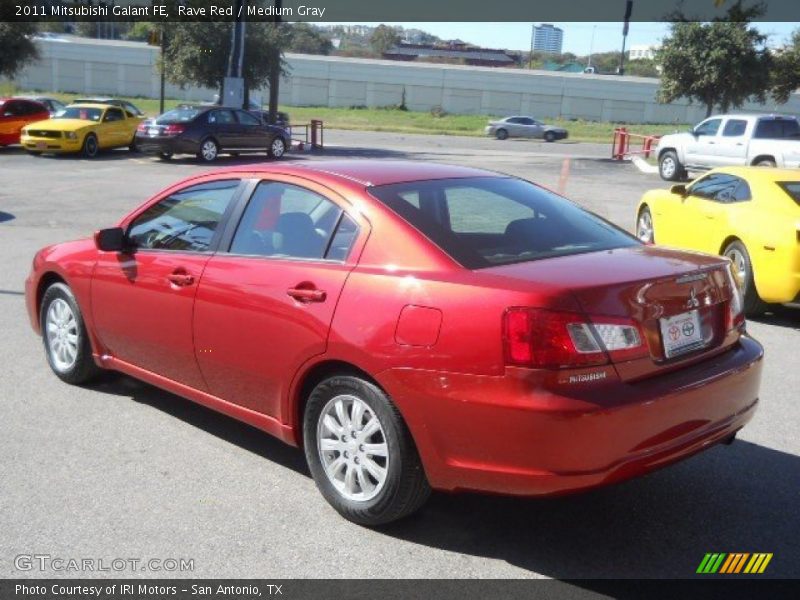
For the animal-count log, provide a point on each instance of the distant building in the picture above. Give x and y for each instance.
(640, 51)
(547, 38)
(455, 50)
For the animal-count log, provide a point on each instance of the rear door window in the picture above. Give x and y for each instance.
(734, 128)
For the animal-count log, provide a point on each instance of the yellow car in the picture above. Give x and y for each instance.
(749, 214)
(86, 128)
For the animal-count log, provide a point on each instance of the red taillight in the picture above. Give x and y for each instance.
(174, 129)
(142, 128)
(549, 339)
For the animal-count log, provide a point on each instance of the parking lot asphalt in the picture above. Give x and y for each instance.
(120, 469)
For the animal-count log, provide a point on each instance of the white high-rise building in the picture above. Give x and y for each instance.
(547, 38)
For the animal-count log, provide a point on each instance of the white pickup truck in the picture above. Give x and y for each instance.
(726, 140)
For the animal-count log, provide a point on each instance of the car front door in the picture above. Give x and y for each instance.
(11, 121)
(701, 149)
(264, 308)
(142, 300)
(251, 132)
(702, 214)
(111, 131)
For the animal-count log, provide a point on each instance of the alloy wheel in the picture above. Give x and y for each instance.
(644, 227)
(62, 334)
(352, 447)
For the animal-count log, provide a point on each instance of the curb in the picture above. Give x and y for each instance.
(643, 165)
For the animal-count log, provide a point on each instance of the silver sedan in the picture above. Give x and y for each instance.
(524, 127)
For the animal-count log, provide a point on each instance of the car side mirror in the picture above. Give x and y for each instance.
(679, 189)
(111, 240)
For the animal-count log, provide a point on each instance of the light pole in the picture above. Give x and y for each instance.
(628, 10)
(530, 56)
(591, 48)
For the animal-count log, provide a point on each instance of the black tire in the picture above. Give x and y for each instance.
(276, 148)
(90, 146)
(165, 155)
(83, 368)
(753, 304)
(765, 162)
(132, 147)
(501, 134)
(549, 136)
(405, 487)
(670, 168)
(645, 230)
(209, 150)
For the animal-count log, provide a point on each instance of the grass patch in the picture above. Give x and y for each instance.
(406, 121)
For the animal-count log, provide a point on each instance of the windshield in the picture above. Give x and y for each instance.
(80, 112)
(178, 115)
(487, 221)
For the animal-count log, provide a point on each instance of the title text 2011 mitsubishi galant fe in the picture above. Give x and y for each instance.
(411, 326)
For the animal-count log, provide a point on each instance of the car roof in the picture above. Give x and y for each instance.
(763, 173)
(372, 172)
(91, 105)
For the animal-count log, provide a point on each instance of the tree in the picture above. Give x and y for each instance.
(18, 47)
(307, 39)
(720, 64)
(197, 53)
(786, 72)
(383, 38)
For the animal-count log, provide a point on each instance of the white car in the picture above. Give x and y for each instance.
(730, 140)
(524, 127)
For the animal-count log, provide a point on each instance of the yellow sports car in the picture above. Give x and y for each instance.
(749, 214)
(86, 128)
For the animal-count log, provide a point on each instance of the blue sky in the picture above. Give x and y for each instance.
(577, 36)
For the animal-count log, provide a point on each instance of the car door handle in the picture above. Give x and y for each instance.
(180, 279)
(306, 295)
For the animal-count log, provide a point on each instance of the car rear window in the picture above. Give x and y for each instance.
(792, 188)
(487, 221)
(180, 115)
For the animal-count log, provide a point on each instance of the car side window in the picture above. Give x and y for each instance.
(734, 128)
(12, 109)
(717, 186)
(742, 192)
(185, 220)
(221, 117)
(288, 221)
(113, 114)
(246, 118)
(709, 127)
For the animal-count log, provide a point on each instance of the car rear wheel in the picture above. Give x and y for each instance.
(360, 452)
(277, 148)
(66, 342)
(165, 155)
(753, 304)
(209, 150)
(501, 134)
(644, 226)
(765, 162)
(549, 136)
(90, 146)
(670, 168)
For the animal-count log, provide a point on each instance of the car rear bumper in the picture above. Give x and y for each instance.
(512, 435)
(165, 145)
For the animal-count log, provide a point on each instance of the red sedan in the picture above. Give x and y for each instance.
(15, 113)
(411, 326)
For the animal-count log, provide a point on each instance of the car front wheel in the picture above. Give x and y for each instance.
(644, 226)
(90, 146)
(501, 134)
(360, 452)
(277, 148)
(549, 136)
(66, 342)
(753, 304)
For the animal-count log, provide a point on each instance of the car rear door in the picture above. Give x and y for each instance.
(142, 300)
(701, 149)
(264, 307)
(732, 147)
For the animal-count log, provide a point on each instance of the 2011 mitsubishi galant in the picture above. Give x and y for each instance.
(411, 325)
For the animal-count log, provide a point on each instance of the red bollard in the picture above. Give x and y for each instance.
(622, 142)
(316, 133)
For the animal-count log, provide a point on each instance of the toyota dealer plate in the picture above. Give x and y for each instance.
(681, 333)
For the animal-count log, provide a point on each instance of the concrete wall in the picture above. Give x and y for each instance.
(129, 68)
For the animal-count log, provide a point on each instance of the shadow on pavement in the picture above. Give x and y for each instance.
(4, 216)
(739, 498)
(782, 316)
